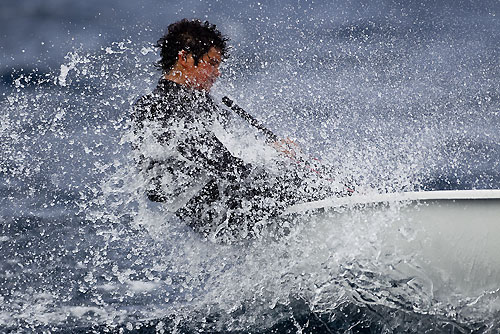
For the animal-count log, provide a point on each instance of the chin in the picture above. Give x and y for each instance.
(207, 87)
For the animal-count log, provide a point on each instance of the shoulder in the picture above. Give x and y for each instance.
(147, 101)
(156, 105)
(141, 109)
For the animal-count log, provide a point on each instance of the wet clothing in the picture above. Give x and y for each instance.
(188, 168)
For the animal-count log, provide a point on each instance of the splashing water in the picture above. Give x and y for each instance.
(84, 249)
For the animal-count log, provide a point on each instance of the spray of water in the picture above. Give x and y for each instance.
(106, 256)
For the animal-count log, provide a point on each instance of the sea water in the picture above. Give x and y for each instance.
(393, 97)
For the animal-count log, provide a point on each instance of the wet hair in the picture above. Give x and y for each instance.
(194, 37)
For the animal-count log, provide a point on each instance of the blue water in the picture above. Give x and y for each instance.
(394, 95)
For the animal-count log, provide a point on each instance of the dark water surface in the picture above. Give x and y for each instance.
(395, 95)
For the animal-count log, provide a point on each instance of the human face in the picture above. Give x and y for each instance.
(203, 75)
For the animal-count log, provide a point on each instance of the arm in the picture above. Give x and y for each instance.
(207, 150)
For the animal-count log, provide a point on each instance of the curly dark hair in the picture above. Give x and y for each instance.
(194, 37)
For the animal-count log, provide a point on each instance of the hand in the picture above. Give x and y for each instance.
(288, 147)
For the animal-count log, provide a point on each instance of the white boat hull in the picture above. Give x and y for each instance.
(459, 240)
(455, 234)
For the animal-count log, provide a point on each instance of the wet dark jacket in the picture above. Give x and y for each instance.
(189, 169)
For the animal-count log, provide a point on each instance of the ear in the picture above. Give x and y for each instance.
(182, 56)
(185, 59)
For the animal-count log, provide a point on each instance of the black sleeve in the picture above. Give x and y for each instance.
(207, 150)
(245, 180)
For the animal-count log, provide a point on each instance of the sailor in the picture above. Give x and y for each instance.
(183, 162)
